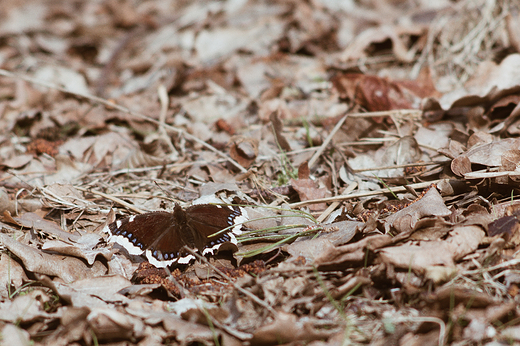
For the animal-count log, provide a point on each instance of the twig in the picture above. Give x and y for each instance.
(182, 291)
(376, 141)
(391, 113)
(326, 142)
(419, 164)
(364, 194)
(125, 110)
(333, 206)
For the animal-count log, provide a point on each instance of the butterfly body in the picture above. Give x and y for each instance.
(161, 235)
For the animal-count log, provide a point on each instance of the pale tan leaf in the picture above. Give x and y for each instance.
(405, 220)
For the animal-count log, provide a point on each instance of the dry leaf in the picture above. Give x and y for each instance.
(405, 220)
(308, 190)
(381, 94)
(24, 308)
(419, 256)
(17, 161)
(81, 248)
(336, 258)
(370, 36)
(13, 335)
(34, 221)
(337, 233)
(244, 150)
(287, 328)
(12, 275)
(109, 324)
(69, 269)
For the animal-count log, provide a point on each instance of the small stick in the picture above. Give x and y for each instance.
(419, 164)
(333, 206)
(391, 113)
(364, 194)
(326, 142)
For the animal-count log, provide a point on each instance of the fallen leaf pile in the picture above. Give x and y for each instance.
(374, 144)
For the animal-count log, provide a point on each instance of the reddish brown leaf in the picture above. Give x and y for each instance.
(308, 190)
(304, 171)
(379, 94)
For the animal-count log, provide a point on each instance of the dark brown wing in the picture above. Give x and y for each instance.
(206, 220)
(156, 234)
(161, 236)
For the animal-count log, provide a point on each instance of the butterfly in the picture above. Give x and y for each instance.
(162, 235)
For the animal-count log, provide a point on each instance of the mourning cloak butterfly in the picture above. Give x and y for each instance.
(161, 235)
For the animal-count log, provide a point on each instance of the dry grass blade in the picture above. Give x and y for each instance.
(57, 199)
(309, 230)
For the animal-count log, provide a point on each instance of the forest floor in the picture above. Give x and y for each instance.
(374, 146)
